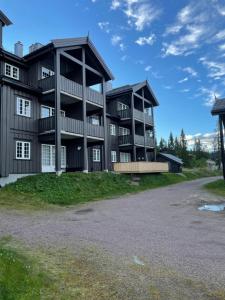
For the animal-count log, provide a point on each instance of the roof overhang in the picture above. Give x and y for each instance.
(218, 107)
(4, 20)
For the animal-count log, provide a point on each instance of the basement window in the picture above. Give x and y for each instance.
(11, 71)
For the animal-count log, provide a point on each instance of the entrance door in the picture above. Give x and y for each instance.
(48, 158)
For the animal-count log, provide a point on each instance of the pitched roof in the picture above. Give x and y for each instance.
(70, 42)
(4, 19)
(218, 107)
(132, 88)
(172, 157)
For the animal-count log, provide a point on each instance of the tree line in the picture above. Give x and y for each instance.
(195, 157)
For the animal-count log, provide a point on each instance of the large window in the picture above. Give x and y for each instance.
(48, 157)
(23, 107)
(11, 71)
(96, 155)
(22, 150)
(124, 131)
(112, 129)
(47, 111)
(125, 157)
(113, 156)
(45, 73)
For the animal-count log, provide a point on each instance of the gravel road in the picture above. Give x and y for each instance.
(161, 226)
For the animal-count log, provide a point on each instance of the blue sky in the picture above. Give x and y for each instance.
(179, 46)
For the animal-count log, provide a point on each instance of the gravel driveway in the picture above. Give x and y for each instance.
(161, 226)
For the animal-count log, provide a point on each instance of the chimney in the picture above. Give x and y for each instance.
(18, 49)
(35, 47)
(4, 21)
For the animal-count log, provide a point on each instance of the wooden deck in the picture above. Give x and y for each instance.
(141, 167)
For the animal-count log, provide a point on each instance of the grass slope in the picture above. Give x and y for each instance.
(217, 187)
(72, 188)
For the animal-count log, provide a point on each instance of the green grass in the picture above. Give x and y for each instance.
(216, 187)
(19, 279)
(73, 188)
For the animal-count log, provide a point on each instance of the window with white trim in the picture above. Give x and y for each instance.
(23, 107)
(45, 73)
(125, 157)
(94, 120)
(122, 106)
(112, 128)
(47, 111)
(22, 150)
(124, 131)
(113, 156)
(96, 155)
(11, 71)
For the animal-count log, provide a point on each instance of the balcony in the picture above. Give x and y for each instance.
(124, 114)
(149, 142)
(71, 88)
(125, 140)
(148, 119)
(70, 126)
(139, 140)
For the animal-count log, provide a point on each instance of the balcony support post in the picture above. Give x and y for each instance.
(85, 150)
(105, 126)
(133, 128)
(145, 142)
(57, 116)
(154, 135)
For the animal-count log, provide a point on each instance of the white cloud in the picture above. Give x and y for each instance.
(117, 40)
(183, 80)
(208, 95)
(104, 26)
(185, 90)
(141, 41)
(124, 57)
(190, 71)
(140, 13)
(220, 35)
(148, 68)
(222, 47)
(216, 69)
(207, 140)
(167, 87)
(115, 4)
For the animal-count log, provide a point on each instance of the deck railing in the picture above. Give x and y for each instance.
(72, 88)
(125, 140)
(139, 115)
(149, 141)
(95, 131)
(125, 113)
(139, 140)
(148, 119)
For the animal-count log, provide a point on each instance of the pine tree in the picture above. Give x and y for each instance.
(171, 145)
(183, 149)
(162, 145)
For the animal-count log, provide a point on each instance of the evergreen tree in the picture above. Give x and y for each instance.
(183, 149)
(162, 145)
(171, 145)
(176, 147)
(198, 149)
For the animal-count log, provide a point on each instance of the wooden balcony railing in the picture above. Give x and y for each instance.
(71, 88)
(124, 114)
(139, 140)
(139, 115)
(148, 119)
(95, 131)
(149, 142)
(124, 140)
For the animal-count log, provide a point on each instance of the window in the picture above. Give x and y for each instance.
(45, 73)
(47, 111)
(22, 150)
(113, 156)
(112, 129)
(94, 120)
(96, 155)
(23, 107)
(12, 71)
(124, 131)
(122, 106)
(48, 157)
(125, 157)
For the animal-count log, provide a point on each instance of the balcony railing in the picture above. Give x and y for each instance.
(138, 115)
(149, 142)
(124, 114)
(95, 131)
(72, 88)
(139, 140)
(125, 140)
(148, 119)
(67, 125)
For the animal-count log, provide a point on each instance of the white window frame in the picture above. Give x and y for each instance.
(11, 71)
(113, 156)
(124, 131)
(122, 106)
(23, 149)
(125, 157)
(52, 111)
(21, 108)
(94, 120)
(51, 166)
(96, 155)
(112, 129)
(45, 73)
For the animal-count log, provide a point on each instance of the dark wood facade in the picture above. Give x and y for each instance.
(81, 116)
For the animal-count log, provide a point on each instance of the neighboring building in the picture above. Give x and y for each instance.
(175, 163)
(219, 110)
(54, 115)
